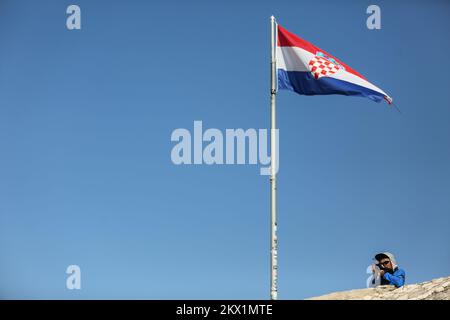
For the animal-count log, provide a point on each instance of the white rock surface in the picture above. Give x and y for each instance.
(437, 289)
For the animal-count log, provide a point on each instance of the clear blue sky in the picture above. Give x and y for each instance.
(86, 176)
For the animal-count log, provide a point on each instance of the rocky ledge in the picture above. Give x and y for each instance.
(437, 289)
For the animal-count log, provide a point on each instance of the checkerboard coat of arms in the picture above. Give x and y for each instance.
(321, 66)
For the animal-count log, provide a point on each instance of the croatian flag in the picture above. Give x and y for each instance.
(306, 69)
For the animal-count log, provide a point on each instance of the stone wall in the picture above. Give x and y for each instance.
(437, 289)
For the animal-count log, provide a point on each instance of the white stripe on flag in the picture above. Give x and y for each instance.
(293, 59)
(297, 59)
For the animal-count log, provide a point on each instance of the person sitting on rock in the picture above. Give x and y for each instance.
(390, 273)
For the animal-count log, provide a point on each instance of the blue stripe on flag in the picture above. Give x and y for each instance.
(304, 83)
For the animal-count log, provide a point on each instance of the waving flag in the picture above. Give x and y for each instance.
(300, 66)
(306, 69)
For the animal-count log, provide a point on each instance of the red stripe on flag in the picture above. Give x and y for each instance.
(288, 39)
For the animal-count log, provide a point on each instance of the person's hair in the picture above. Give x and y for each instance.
(381, 256)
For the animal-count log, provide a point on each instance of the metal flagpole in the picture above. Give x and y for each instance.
(273, 166)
